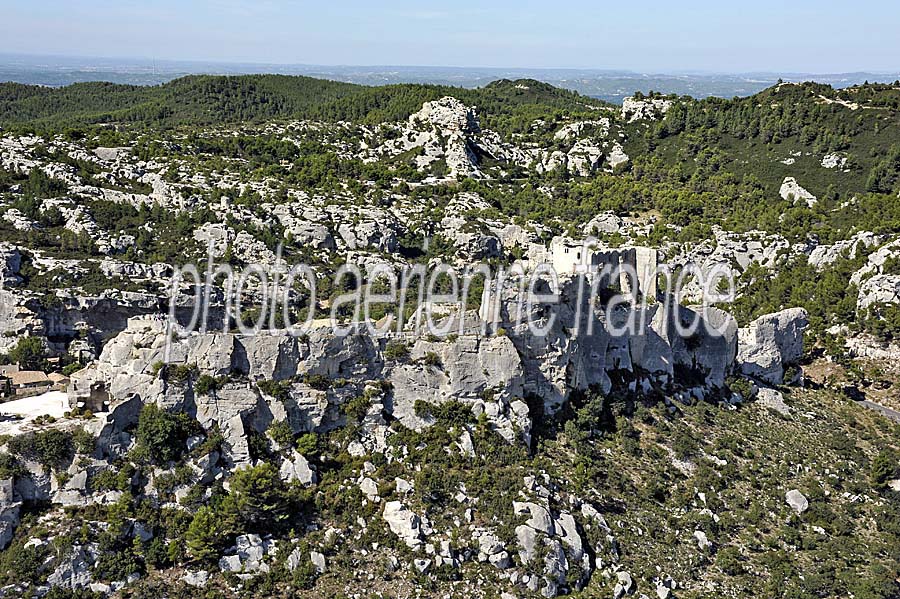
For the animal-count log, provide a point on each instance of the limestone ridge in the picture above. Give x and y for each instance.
(448, 131)
(491, 374)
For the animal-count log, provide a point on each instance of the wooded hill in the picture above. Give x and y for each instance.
(210, 100)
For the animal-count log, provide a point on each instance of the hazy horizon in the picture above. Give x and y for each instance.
(612, 85)
(122, 60)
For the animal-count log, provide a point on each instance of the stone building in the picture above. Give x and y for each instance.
(626, 263)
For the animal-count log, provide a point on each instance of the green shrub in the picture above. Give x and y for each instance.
(84, 441)
(448, 413)
(161, 436)
(282, 433)
(70, 369)
(729, 560)
(741, 386)
(257, 498)
(279, 390)
(10, 467)
(308, 445)
(51, 448)
(882, 469)
(28, 353)
(181, 373)
(684, 445)
(205, 384)
(396, 351)
(432, 359)
(319, 382)
(204, 536)
(357, 408)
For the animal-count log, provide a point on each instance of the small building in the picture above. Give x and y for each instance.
(24, 380)
(568, 255)
(59, 380)
(87, 394)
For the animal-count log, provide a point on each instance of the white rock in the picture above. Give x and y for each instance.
(196, 579)
(791, 191)
(797, 501)
(770, 398)
(702, 541)
(318, 560)
(403, 523)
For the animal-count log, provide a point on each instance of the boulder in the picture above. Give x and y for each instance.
(792, 192)
(403, 523)
(318, 561)
(772, 399)
(196, 579)
(797, 501)
(296, 469)
(539, 518)
(527, 539)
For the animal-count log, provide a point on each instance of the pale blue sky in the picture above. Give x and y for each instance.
(650, 35)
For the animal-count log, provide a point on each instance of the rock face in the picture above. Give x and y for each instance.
(823, 255)
(127, 370)
(9, 512)
(771, 343)
(570, 348)
(468, 367)
(710, 350)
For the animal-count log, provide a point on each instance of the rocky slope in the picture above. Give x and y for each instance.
(494, 461)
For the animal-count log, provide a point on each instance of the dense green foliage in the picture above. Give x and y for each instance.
(52, 448)
(161, 436)
(204, 100)
(28, 353)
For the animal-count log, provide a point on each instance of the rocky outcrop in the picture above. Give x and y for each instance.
(772, 343)
(773, 400)
(248, 555)
(879, 289)
(650, 109)
(9, 512)
(837, 161)
(296, 469)
(465, 369)
(551, 545)
(791, 191)
(824, 255)
(450, 123)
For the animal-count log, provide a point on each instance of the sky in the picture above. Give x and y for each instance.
(821, 36)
